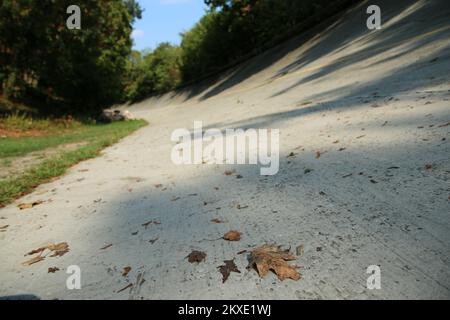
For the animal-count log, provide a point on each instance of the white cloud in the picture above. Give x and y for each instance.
(137, 33)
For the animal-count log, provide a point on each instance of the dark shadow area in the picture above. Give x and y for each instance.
(245, 70)
(307, 208)
(437, 15)
(335, 35)
(20, 297)
(409, 78)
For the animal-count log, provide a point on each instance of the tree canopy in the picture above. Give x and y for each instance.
(59, 69)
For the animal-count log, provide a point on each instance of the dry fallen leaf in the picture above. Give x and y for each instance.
(147, 224)
(59, 249)
(216, 220)
(272, 257)
(125, 271)
(318, 154)
(29, 205)
(106, 247)
(227, 268)
(3, 228)
(53, 269)
(290, 155)
(196, 256)
(229, 172)
(232, 235)
(33, 260)
(39, 250)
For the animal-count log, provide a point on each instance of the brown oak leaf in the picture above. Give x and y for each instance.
(196, 256)
(272, 257)
(227, 268)
(232, 235)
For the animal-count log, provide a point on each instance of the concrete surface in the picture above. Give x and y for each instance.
(383, 95)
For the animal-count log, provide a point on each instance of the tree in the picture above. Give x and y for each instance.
(156, 72)
(134, 9)
(60, 70)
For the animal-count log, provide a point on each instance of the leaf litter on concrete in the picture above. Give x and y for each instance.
(196, 256)
(272, 257)
(58, 249)
(227, 268)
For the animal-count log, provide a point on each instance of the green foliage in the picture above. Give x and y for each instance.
(232, 29)
(134, 9)
(46, 66)
(44, 63)
(204, 46)
(156, 72)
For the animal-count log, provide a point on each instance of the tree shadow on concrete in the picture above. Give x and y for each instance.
(403, 22)
(245, 70)
(406, 79)
(421, 18)
(294, 207)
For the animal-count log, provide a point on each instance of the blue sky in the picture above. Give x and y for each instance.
(163, 20)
